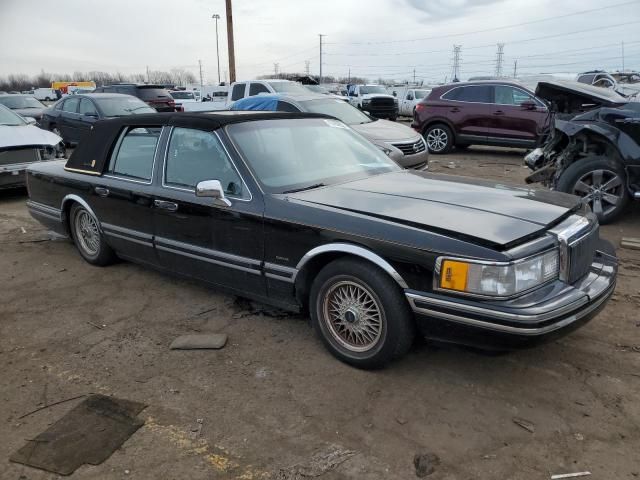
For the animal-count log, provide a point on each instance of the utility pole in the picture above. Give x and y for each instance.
(148, 81)
(232, 55)
(275, 69)
(307, 65)
(456, 63)
(515, 68)
(349, 75)
(623, 56)
(414, 76)
(216, 17)
(320, 79)
(200, 65)
(499, 59)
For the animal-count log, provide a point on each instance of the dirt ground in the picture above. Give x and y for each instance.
(273, 397)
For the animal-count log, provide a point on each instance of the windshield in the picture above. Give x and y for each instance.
(296, 154)
(7, 117)
(148, 92)
(317, 89)
(367, 89)
(288, 87)
(422, 93)
(182, 95)
(336, 108)
(120, 106)
(20, 102)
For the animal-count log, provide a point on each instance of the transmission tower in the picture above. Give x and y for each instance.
(499, 60)
(307, 67)
(276, 66)
(455, 73)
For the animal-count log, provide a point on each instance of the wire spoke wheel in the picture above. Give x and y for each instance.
(353, 316)
(603, 189)
(437, 139)
(87, 232)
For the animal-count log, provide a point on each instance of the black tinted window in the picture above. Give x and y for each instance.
(134, 155)
(256, 88)
(148, 93)
(71, 105)
(286, 107)
(238, 92)
(476, 93)
(195, 156)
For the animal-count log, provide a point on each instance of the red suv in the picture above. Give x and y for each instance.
(481, 113)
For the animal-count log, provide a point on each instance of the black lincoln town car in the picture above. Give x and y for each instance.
(301, 212)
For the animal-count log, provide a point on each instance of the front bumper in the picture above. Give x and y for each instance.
(551, 311)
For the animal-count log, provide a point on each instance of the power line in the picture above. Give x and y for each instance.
(531, 22)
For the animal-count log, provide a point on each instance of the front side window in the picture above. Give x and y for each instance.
(506, 95)
(286, 107)
(194, 156)
(133, 157)
(238, 91)
(87, 107)
(287, 155)
(71, 105)
(256, 88)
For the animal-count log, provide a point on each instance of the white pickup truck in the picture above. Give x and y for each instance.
(408, 98)
(373, 99)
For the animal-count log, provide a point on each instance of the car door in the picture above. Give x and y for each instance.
(406, 106)
(257, 88)
(68, 117)
(518, 118)
(87, 116)
(469, 109)
(198, 237)
(122, 197)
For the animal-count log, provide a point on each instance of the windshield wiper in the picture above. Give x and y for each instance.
(302, 189)
(134, 109)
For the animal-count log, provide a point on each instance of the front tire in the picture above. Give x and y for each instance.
(360, 314)
(89, 240)
(600, 182)
(439, 139)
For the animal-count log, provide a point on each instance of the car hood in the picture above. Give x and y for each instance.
(578, 94)
(386, 131)
(25, 136)
(368, 96)
(495, 215)
(29, 112)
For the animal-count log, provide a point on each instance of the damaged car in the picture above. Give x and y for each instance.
(22, 144)
(593, 151)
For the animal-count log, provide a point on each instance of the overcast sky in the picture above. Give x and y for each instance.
(387, 38)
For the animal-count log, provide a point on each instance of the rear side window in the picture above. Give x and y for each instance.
(71, 105)
(146, 93)
(287, 107)
(133, 156)
(238, 91)
(474, 94)
(256, 88)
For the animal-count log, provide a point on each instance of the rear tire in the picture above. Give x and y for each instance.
(89, 240)
(439, 139)
(360, 314)
(599, 181)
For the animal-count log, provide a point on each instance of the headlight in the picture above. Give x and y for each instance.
(498, 279)
(47, 153)
(387, 151)
(395, 100)
(366, 102)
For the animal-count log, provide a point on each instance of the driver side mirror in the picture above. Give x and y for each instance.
(409, 97)
(528, 105)
(212, 189)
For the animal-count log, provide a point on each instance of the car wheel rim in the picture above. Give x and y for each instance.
(602, 189)
(87, 233)
(353, 316)
(437, 139)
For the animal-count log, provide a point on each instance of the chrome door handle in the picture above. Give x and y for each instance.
(498, 112)
(170, 206)
(101, 191)
(455, 110)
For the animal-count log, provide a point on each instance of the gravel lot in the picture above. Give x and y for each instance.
(273, 397)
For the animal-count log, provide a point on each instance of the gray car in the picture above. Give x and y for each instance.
(25, 105)
(398, 141)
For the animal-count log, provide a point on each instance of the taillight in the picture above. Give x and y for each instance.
(172, 103)
(420, 107)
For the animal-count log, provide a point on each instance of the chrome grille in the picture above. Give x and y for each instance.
(382, 102)
(24, 155)
(411, 148)
(581, 253)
